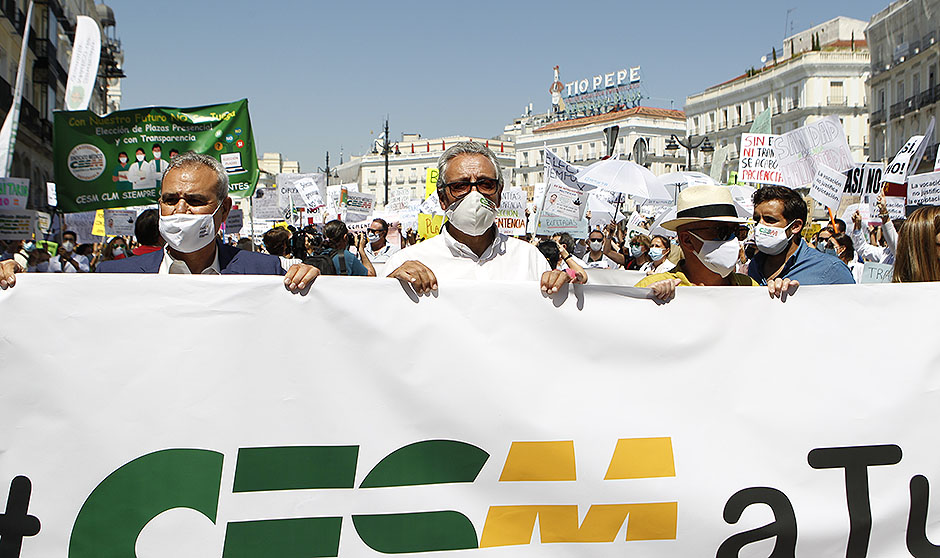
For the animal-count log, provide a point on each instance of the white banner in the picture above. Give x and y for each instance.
(684, 437)
(83, 67)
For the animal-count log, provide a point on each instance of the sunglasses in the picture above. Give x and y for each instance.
(462, 188)
(721, 232)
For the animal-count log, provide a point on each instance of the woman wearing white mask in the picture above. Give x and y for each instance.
(595, 258)
(709, 233)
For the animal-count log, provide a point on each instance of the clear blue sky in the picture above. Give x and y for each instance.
(320, 75)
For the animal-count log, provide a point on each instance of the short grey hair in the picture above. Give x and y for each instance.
(467, 148)
(191, 159)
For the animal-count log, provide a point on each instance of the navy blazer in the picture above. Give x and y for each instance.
(232, 261)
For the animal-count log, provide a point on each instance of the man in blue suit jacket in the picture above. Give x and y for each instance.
(194, 203)
(232, 261)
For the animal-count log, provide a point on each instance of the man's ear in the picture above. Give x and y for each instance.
(440, 198)
(798, 226)
(226, 207)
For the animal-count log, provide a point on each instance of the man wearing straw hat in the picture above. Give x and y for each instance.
(709, 233)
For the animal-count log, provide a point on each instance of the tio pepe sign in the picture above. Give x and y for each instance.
(623, 76)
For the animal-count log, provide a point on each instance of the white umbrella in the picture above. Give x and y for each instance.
(601, 211)
(675, 181)
(625, 177)
(657, 228)
(742, 196)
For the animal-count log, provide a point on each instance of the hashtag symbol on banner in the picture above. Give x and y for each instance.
(14, 522)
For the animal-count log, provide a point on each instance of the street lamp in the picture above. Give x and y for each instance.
(690, 143)
(330, 173)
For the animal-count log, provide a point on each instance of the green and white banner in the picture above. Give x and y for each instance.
(488, 422)
(118, 160)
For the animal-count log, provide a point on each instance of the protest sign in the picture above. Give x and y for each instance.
(17, 224)
(924, 189)
(800, 151)
(761, 124)
(510, 217)
(810, 230)
(897, 208)
(398, 200)
(87, 148)
(97, 227)
(13, 193)
(52, 198)
(356, 205)
(863, 178)
(757, 164)
(119, 222)
(430, 182)
(564, 196)
(235, 221)
(549, 225)
(265, 205)
(429, 226)
(874, 272)
(83, 224)
(431, 205)
(827, 186)
(719, 158)
(897, 171)
(465, 458)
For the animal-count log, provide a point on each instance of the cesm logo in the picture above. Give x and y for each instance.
(86, 162)
(118, 509)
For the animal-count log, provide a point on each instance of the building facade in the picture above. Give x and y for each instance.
(905, 55)
(46, 74)
(819, 72)
(408, 163)
(581, 141)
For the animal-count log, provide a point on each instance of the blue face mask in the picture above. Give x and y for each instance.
(656, 253)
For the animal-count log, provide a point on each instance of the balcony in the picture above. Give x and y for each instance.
(839, 101)
(14, 14)
(909, 104)
(926, 98)
(897, 109)
(877, 117)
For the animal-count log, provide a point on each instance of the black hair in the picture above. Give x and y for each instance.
(566, 240)
(141, 149)
(794, 206)
(335, 232)
(549, 249)
(839, 225)
(122, 153)
(382, 222)
(276, 241)
(156, 146)
(71, 233)
(147, 228)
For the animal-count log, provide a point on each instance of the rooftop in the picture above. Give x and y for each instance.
(612, 116)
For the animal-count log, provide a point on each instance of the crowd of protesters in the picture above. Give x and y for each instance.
(707, 244)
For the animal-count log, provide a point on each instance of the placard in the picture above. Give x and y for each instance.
(17, 224)
(924, 189)
(564, 196)
(119, 222)
(875, 272)
(800, 151)
(897, 171)
(757, 163)
(827, 186)
(235, 221)
(429, 226)
(264, 206)
(510, 217)
(13, 193)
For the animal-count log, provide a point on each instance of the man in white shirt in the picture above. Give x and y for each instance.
(67, 261)
(470, 247)
(378, 249)
(595, 258)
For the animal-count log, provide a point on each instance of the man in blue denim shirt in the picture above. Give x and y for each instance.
(784, 260)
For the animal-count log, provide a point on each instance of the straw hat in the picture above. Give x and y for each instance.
(704, 203)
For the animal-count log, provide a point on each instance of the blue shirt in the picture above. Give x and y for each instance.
(806, 265)
(353, 265)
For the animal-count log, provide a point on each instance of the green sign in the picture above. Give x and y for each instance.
(112, 161)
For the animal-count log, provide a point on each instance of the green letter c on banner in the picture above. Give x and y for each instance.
(120, 507)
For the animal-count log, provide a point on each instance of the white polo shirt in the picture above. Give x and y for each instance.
(507, 259)
(382, 256)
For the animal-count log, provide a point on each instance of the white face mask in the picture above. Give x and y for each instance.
(472, 214)
(719, 256)
(188, 233)
(656, 253)
(117, 251)
(123, 160)
(140, 157)
(771, 240)
(596, 245)
(68, 245)
(156, 154)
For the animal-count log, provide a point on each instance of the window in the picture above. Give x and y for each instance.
(738, 120)
(567, 152)
(525, 158)
(372, 178)
(915, 84)
(836, 93)
(795, 103)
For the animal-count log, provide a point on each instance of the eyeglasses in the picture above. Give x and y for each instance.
(462, 188)
(721, 232)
